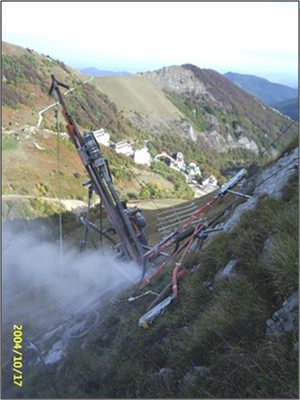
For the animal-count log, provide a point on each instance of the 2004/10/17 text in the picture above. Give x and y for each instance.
(17, 360)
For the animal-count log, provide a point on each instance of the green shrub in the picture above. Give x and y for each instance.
(9, 144)
(25, 190)
(53, 194)
(41, 188)
(132, 196)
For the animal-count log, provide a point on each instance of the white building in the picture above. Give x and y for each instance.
(194, 169)
(124, 147)
(179, 160)
(211, 180)
(141, 156)
(102, 137)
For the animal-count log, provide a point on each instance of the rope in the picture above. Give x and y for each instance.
(269, 177)
(278, 137)
(80, 335)
(197, 230)
(82, 106)
(155, 205)
(60, 213)
(33, 347)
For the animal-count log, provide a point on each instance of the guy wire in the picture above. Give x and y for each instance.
(60, 213)
(271, 144)
(159, 209)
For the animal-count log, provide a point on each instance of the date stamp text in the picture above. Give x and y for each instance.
(17, 357)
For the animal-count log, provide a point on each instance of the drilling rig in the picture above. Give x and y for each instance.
(100, 182)
(193, 229)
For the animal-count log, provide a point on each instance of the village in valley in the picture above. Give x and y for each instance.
(142, 156)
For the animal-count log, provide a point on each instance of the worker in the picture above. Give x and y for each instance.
(138, 219)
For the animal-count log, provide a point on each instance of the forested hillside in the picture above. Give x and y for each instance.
(288, 107)
(266, 91)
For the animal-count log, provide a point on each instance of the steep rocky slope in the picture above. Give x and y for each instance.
(235, 321)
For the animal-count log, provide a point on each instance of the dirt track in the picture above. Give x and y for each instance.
(75, 206)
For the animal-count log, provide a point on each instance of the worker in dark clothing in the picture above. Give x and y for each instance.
(138, 219)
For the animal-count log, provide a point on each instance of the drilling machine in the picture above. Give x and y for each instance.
(100, 181)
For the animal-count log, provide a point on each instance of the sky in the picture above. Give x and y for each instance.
(258, 38)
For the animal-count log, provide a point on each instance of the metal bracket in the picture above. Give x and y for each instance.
(239, 194)
(232, 182)
(147, 318)
(131, 298)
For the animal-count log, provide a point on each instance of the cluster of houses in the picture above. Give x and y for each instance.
(211, 180)
(176, 163)
(179, 164)
(102, 137)
(192, 170)
(142, 156)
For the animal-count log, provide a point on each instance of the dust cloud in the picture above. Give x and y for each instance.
(37, 281)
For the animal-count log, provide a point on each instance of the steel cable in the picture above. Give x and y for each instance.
(59, 201)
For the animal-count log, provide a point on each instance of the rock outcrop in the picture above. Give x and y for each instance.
(182, 81)
(270, 181)
(285, 320)
(178, 79)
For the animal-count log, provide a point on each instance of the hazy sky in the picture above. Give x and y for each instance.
(259, 38)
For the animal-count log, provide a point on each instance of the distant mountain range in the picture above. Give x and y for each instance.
(96, 72)
(261, 88)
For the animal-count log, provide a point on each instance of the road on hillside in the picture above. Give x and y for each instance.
(172, 159)
(75, 206)
(52, 105)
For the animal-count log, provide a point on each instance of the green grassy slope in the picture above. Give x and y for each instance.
(28, 170)
(134, 94)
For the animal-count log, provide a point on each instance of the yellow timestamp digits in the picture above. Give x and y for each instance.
(17, 359)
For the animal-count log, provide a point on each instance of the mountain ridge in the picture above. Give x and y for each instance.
(268, 92)
(96, 72)
(288, 107)
(210, 96)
